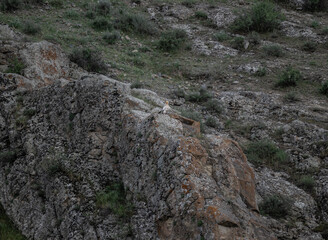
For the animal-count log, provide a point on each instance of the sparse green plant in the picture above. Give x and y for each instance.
(88, 59)
(201, 96)
(189, 3)
(309, 47)
(263, 17)
(10, 5)
(29, 112)
(172, 40)
(214, 106)
(324, 88)
(101, 24)
(273, 50)
(315, 24)
(238, 43)
(324, 31)
(7, 156)
(71, 14)
(103, 7)
(8, 230)
(275, 206)
(211, 122)
(221, 36)
(323, 229)
(15, 66)
(261, 72)
(179, 93)
(136, 23)
(307, 183)
(136, 84)
(200, 223)
(56, 3)
(114, 198)
(30, 28)
(265, 152)
(291, 97)
(201, 15)
(254, 38)
(112, 37)
(90, 14)
(289, 78)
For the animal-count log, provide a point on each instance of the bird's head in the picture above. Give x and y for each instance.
(167, 102)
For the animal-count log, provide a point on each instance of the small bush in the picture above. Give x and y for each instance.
(10, 5)
(90, 14)
(201, 96)
(211, 122)
(30, 28)
(15, 66)
(254, 38)
(201, 15)
(275, 206)
(88, 59)
(323, 229)
(103, 7)
(261, 72)
(172, 40)
(112, 37)
(221, 36)
(8, 230)
(101, 24)
(189, 3)
(265, 152)
(291, 97)
(307, 183)
(324, 31)
(214, 106)
(57, 3)
(114, 198)
(309, 47)
(29, 112)
(273, 50)
(263, 17)
(315, 24)
(7, 157)
(289, 78)
(136, 23)
(136, 84)
(324, 89)
(71, 14)
(238, 43)
(179, 93)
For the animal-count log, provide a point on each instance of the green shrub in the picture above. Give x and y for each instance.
(211, 122)
(31, 28)
(57, 3)
(112, 37)
(238, 43)
(101, 24)
(189, 3)
(201, 96)
(323, 229)
(71, 14)
(179, 93)
(265, 153)
(136, 84)
(309, 47)
(201, 15)
(90, 14)
(289, 78)
(114, 198)
(103, 7)
(261, 72)
(254, 38)
(315, 24)
(324, 31)
(15, 66)
(324, 89)
(291, 97)
(135, 23)
(29, 112)
(273, 50)
(88, 59)
(213, 106)
(172, 40)
(275, 206)
(307, 183)
(7, 156)
(10, 5)
(263, 17)
(221, 36)
(8, 230)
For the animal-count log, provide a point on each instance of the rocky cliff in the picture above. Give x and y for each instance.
(71, 140)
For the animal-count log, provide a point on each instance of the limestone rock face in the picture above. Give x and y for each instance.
(73, 138)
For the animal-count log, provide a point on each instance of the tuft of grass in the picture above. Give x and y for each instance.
(291, 97)
(30, 28)
(261, 72)
(56, 3)
(103, 7)
(323, 229)
(114, 198)
(324, 88)
(238, 43)
(88, 59)
(112, 37)
(315, 24)
(135, 23)
(136, 84)
(10, 5)
(7, 229)
(201, 15)
(221, 36)
(214, 106)
(211, 122)
(275, 206)
(71, 14)
(263, 17)
(172, 40)
(273, 50)
(309, 47)
(289, 78)
(307, 183)
(201, 96)
(15, 66)
(101, 24)
(266, 153)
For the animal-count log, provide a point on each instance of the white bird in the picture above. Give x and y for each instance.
(166, 107)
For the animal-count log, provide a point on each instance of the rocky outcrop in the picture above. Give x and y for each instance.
(68, 140)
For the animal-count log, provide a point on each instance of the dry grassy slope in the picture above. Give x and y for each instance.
(252, 108)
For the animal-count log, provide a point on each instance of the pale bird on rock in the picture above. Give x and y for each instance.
(166, 107)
